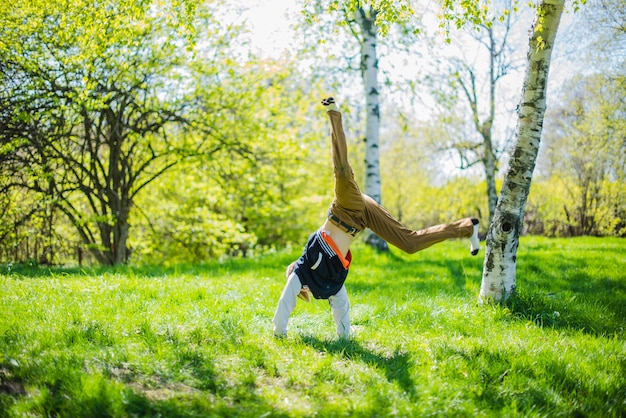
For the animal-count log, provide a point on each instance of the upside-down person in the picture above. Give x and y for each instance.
(323, 267)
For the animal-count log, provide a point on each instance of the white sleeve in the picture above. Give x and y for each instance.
(341, 312)
(286, 304)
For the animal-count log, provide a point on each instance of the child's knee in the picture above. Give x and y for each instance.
(344, 173)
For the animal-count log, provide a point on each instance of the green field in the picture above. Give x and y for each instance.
(196, 341)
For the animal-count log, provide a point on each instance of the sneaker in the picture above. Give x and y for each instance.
(330, 104)
(474, 241)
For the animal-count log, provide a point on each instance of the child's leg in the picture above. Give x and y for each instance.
(348, 203)
(347, 192)
(362, 211)
(286, 305)
(341, 312)
(388, 228)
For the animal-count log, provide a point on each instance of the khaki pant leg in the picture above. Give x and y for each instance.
(384, 225)
(348, 203)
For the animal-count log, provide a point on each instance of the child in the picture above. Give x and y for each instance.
(323, 267)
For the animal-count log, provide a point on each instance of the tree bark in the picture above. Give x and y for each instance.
(369, 72)
(498, 281)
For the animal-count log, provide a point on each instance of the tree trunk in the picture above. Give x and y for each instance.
(120, 237)
(498, 281)
(369, 72)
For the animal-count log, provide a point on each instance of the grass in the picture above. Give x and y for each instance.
(195, 341)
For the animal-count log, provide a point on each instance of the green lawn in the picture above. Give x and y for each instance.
(196, 341)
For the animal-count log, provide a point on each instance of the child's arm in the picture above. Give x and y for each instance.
(286, 305)
(341, 312)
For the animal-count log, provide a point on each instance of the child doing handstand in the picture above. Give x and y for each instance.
(323, 267)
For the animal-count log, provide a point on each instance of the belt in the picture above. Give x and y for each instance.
(349, 229)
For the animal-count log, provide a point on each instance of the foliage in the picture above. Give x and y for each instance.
(586, 156)
(548, 202)
(231, 204)
(128, 107)
(383, 12)
(87, 94)
(412, 194)
(185, 226)
(451, 13)
(195, 340)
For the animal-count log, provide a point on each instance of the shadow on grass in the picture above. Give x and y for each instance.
(199, 405)
(581, 288)
(586, 314)
(396, 366)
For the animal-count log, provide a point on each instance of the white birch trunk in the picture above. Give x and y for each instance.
(369, 72)
(498, 281)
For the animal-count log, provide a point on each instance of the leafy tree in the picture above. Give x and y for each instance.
(239, 204)
(498, 280)
(586, 152)
(96, 102)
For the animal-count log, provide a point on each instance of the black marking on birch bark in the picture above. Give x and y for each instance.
(489, 262)
(376, 111)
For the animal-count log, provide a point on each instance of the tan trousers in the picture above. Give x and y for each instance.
(361, 211)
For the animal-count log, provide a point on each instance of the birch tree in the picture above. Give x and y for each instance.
(366, 20)
(498, 281)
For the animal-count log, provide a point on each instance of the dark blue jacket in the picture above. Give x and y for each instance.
(321, 268)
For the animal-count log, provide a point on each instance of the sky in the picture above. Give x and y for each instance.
(269, 24)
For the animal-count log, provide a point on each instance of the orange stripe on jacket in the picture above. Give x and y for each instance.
(345, 261)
